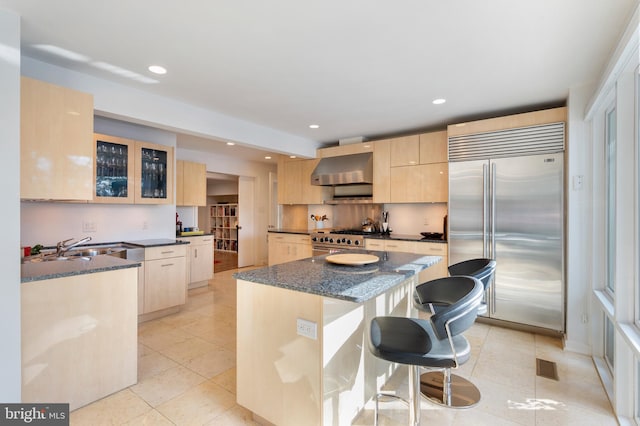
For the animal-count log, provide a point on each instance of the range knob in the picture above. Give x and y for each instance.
(356, 242)
(331, 240)
(314, 238)
(349, 242)
(344, 240)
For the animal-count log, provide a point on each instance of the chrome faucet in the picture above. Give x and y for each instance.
(62, 249)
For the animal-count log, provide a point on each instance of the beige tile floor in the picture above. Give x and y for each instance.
(186, 376)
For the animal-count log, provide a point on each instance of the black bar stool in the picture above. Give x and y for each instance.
(463, 393)
(437, 342)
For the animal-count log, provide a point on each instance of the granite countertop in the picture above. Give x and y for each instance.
(407, 237)
(291, 231)
(157, 242)
(206, 234)
(392, 236)
(36, 271)
(352, 283)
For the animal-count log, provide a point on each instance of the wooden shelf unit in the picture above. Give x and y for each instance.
(224, 222)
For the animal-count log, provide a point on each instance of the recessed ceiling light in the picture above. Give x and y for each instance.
(438, 101)
(230, 143)
(292, 156)
(314, 126)
(157, 69)
(267, 157)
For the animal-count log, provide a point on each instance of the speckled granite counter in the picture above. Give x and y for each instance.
(37, 271)
(157, 242)
(352, 283)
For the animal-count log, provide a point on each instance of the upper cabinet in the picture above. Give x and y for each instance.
(153, 173)
(129, 171)
(434, 147)
(405, 151)
(114, 169)
(191, 183)
(294, 183)
(56, 149)
(419, 169)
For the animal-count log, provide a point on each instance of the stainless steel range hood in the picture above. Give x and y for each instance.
(344, 170)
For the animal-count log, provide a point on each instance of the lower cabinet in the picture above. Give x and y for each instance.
(79, 337)
(200, 260)
(288, 247)
(165, 277)
(438, 270)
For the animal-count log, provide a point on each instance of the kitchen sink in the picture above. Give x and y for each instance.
(121, 250)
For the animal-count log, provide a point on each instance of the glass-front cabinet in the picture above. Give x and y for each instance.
(129, 171)
(114, 169)
(153, 173)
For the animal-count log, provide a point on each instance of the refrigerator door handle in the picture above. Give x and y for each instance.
(485, 217)
(493, 229)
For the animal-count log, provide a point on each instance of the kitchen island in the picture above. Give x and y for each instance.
(302, 356)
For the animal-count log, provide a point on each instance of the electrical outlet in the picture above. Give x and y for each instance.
(88, 226)
(307, 328)
(426, 221)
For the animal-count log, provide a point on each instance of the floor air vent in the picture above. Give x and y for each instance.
(546, 369)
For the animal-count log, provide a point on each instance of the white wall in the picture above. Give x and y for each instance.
(578, 233)
(222, 187)
(10, 365)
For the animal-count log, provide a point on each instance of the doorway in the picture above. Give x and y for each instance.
(229, 217)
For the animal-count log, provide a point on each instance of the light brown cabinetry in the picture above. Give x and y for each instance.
(288, 247)
(200, 260)
(405, 151)
(294, 183)
(421, 183)
(440, 269)
(165, 277)
(79, 337)
(419, 170)
(132, 172)
(56, 152)
(434, 147)
(191, 183)
(382, 171)
(153, 173)
(113, 174)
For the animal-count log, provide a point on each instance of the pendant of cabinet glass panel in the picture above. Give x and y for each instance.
(113, 170)
(153, 173)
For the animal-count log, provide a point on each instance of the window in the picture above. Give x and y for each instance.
(609, 339)
(610, 200)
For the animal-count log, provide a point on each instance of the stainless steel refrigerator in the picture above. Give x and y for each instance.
(506, 203)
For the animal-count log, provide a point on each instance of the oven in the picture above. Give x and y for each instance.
(330, 242)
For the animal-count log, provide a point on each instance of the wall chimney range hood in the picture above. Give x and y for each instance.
(344, 170)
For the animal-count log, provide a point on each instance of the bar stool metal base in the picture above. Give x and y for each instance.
(463, 393)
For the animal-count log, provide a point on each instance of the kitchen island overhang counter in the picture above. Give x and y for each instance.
(302, 327)
(357, 283)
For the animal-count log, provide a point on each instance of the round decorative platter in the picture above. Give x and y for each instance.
(352, 259)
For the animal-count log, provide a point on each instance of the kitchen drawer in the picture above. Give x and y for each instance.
(434, 249)
(165, 252)
(370, 244)
(399, 245)
(290, 238)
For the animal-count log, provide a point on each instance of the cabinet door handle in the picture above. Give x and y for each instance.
(196, 250)
(167, 264)
(167, 252)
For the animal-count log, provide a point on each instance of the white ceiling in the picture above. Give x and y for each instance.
(354, 67)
